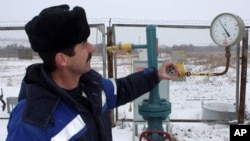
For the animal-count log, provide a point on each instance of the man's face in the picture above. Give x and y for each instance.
(80, 62)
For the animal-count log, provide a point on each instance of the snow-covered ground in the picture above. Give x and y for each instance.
(186, 97)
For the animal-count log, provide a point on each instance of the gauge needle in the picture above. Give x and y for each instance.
(228, 35)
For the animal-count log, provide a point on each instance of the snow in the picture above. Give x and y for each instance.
(186, 97)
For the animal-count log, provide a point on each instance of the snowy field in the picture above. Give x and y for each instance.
(186, 97)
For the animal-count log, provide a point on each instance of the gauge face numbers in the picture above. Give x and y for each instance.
(227, 30)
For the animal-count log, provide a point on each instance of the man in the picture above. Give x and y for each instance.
(63, 98)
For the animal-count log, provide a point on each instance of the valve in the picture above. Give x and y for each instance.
(171, 70)
(125, 47)
(146, 135)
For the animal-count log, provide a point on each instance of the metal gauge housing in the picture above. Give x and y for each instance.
(227, 29)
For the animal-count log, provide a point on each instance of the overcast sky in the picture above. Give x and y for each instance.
(24, 10)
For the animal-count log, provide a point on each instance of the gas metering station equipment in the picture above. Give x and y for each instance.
(226, 30)
(154, 109)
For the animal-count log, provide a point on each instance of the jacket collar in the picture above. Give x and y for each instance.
(42, 96)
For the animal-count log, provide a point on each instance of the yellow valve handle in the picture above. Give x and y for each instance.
(181, 68)
(112, 48)
(126, 47)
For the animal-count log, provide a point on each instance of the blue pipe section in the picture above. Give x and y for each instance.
(154, 109)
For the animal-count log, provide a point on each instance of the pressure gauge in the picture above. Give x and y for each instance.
(227, 29)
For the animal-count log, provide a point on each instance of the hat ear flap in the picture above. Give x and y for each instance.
(81, 22)
(30, 29)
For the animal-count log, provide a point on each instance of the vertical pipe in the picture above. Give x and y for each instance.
(154, 97)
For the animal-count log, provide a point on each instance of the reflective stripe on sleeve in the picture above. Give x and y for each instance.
(103, 98)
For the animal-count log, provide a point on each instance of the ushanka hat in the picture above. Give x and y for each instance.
(57, 28)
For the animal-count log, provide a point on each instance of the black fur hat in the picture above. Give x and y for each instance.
(57, 28)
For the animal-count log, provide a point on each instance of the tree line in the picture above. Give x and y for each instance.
(12, 49)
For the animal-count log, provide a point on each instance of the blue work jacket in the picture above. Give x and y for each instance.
(46, 112)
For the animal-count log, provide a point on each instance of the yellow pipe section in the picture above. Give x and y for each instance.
(180, 66)
(126, 47)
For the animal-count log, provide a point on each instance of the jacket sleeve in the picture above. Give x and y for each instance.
(132, 86)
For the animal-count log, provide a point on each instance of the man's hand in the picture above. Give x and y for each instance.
(162, 71)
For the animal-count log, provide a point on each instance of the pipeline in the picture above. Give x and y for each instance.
(155, 130)
(227, 55)
(128, 48)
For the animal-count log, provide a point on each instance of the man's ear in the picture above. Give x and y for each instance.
(61, 59)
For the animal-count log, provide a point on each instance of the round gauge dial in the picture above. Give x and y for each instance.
(227, 29)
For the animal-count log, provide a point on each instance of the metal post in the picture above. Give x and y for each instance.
(243, 79)
(110, 69)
